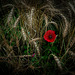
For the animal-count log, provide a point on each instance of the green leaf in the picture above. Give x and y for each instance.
(48, 52)
(33, 59)
(13, 43)
(25, 47)
(55, 50)
(25, 52)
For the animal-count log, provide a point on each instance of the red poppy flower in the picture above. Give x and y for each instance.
(50, 36)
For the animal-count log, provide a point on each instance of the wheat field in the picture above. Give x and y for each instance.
(23, 49)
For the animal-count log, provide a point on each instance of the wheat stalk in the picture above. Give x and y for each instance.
(23, 3)
(17, 44)
(50, 4)
(71, 35)
(49, 8)
(67, 50)
(20, 56)
(54, 23)
(72, 7)
(8, 5)
(35, 39)
(10, 53)
(71, 53)
(57, 61)
(5, 43)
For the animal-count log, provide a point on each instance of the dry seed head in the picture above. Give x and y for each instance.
(16, 22)
(30, 16)
(10, 15)
(38, 51)
(52, 22)
(6, 44)
(72, 42)
(46, 21)
(66, 25)
(71, 53)
(57, 61)
(23, 33)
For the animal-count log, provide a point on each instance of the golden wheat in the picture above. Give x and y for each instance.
(65, 31)
(16, 22)
(57, 61)
(23, 33)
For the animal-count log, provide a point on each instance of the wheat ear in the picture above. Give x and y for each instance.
(10, 15)
(23, 33)
(57, 61)
(16, 22)
(36, 46)
(72, 42)
(71, 53)
(66, 25)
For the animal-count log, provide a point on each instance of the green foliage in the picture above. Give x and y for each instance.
(13, 43)
(55, 50)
